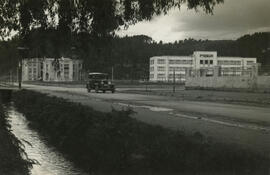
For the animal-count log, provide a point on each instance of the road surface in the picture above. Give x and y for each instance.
(246, 126)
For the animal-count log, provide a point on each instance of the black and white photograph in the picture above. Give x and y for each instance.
(134, 87)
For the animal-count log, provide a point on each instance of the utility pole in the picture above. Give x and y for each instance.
(20, 73)
(112, 73)
(21, 52)
(174, 80)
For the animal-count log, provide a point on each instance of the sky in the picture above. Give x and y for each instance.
(232, 19)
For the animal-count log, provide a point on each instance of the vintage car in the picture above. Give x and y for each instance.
(99, 82)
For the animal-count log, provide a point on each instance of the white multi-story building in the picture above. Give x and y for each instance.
(51, 69)
(201, 63)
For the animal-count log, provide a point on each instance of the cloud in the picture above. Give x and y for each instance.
(230, 20)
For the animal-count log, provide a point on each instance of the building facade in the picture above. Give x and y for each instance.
(31, 69)
(51, 69)
(201, 63)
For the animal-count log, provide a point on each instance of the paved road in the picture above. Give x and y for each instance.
(247, 126)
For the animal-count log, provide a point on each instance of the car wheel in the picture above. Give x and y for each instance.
(104, 91)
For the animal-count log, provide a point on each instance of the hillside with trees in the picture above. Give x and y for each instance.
(129, 56)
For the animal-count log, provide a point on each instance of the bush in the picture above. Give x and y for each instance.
(115, 142)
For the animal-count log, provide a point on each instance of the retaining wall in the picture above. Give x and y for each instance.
(257, 83)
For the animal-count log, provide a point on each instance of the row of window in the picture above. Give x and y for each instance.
(34, 70)
(177, 69)
(206, 61)
(161, 76)
(161, 61)
(180, 61)
(232, 69)
(163, 69)
(220, 62)
(250, 62)
(177, 75)
(227, 62)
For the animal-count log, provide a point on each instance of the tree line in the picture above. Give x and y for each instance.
(128, 56)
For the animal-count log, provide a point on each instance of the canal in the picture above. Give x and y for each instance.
(50, 161)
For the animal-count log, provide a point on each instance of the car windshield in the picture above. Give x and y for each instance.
(98, 76)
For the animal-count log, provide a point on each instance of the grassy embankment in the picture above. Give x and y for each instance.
(11, 150)
(115, 143)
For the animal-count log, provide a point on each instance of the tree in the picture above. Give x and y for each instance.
(98, 17)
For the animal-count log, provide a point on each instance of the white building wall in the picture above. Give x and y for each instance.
(31, 69)
(201, 62)
(162, 68)
(47, 70)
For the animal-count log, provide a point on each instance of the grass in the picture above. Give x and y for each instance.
(115, 143)
(11, 149)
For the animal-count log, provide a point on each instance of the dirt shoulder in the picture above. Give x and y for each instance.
(231, 97)
(244, 98)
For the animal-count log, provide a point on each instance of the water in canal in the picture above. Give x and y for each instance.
(51, 162)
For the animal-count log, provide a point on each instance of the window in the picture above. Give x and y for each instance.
(152, 62)
(201, 61)
(179, 61)
(151, 76)
(66, 71)
(34, 70)
(206, 61)
(171, 69)
(189, 61)
(250, 62)
(171, 61)
(160, 68)
(161, 61)
(161, 76)
(152, 69)
(211, 61)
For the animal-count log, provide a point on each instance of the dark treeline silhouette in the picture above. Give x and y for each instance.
(129, 56)
(47, 26)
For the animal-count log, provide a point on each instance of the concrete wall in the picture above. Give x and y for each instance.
(263, 83)
(258, 83)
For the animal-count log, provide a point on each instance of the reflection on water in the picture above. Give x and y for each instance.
(51, 161)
